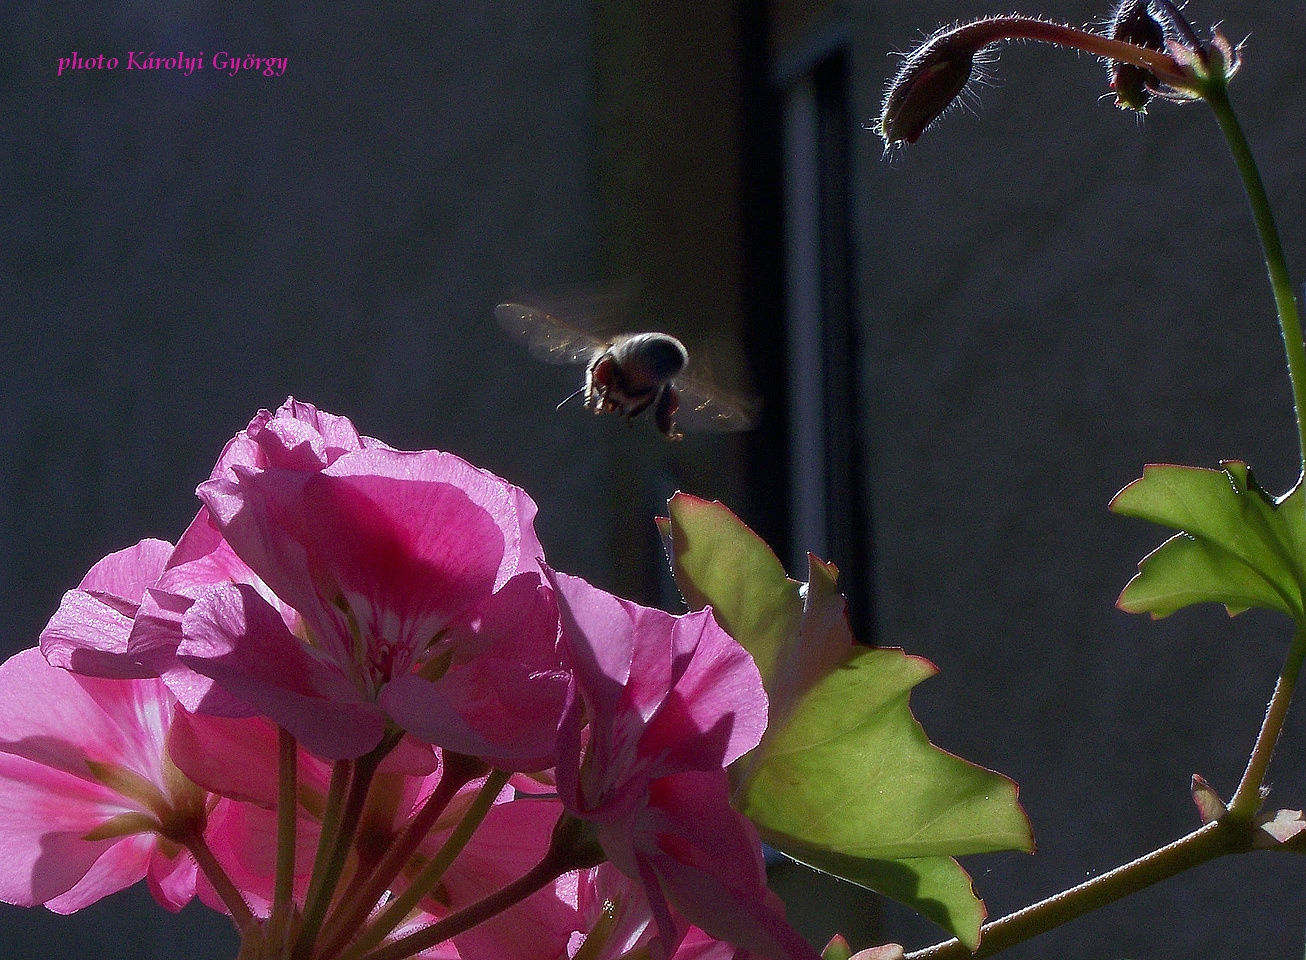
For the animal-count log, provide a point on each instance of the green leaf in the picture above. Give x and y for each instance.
(1238, 545)
(752, 598)
(935, 887)
(845, 779)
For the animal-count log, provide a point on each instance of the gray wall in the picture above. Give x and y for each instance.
(1054, 294)
(176, 252)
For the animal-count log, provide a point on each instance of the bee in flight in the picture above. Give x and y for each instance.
(628, 373)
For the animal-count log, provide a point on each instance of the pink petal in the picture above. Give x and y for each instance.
(391, 536)
(634, 927)
(128, 572)
(89, 631)
(60, 719)
(43, 816)
(600, 630)
(234, 637)
(51, 724)
(503, 694)
(87, 635)
(237, 758)
(708, 862)
(244, 840)
(719, 708)
(512, 839)
(664, 694)
(172, 879)
(698, 945)
(298, 433)
(123, 863)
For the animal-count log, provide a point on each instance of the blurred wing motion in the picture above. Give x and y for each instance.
(705, 406)
(546, 337)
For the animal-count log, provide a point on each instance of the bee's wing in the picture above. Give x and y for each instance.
(546, 337)
(704, 406)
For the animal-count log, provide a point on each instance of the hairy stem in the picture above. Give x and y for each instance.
(1247, 798)
(1210, 841)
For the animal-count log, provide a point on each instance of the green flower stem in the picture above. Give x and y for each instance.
(569, 850)
(425, 882)
(1213, 840)
(1215, 92)
(326, 873)
(458, 771)
(287, 820)
(1246, 800)
(331, 813)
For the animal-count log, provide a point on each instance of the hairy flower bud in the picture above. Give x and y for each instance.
(1133, 23)
(931, 78)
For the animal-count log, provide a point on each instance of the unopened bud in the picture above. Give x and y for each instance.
(1209, 805)
(1132, 23)
(931, 78)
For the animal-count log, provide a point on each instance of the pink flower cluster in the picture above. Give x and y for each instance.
(355, 710)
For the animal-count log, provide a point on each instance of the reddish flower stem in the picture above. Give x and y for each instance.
(994, 29)
(223, 885)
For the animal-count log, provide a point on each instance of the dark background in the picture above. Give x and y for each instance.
(1044, 298)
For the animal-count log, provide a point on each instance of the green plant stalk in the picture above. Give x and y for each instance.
(1216, 93)
(1247, 799)
(1232, 833)
(431, 874)
(340, 771)
(1213, 840)
(245, 921)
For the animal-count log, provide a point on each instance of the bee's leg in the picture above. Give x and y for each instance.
(598, 376)
(664, 412)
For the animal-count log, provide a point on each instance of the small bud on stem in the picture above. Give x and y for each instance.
(1132, 23)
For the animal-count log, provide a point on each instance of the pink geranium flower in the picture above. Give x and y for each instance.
(89, 801)
(332, 584)
(387, 558)
(662, 705)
